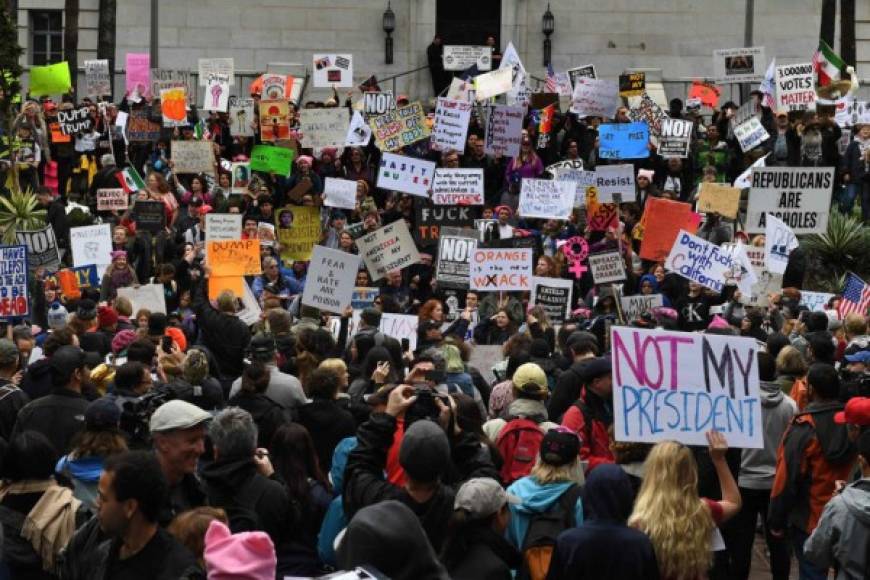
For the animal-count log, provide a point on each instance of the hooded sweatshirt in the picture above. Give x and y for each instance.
(758, 466)
(536, 499)
(843, 534)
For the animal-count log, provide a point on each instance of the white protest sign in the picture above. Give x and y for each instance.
(554, 296)
(492, 84)
(241, 116)
(217, 93)
(456, 186)
(339, 193)
(579, 72)
(739, 65)
(815, 301)
(615, 179)
(97, 78)
(461, 57)
(546, 199)
(779, 241)
(408, 174)
(660, 393)
(330, 280)
(223, 226)
(675, 138)
(751, 134)
(193, 156)
(148, 296)
(375, 103)
(398, 326)
(799, 196)
(333, 70)
(461, 90)
(698, 260)
(454, 255)
(13, 282)
(115, 199)
(607, 267)
(358, 132)
(223, 66)
(741, 273)
(634, 306)
(580, 179)
(451, 125)
(91, 245)
(744, 180)
(387, 249)
(322, 128)
(501, 269)
(504, 128)
(250, 312)
(795, 87)
(511, 59)
(595, 97)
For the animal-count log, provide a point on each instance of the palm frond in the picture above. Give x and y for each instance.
(19, 211)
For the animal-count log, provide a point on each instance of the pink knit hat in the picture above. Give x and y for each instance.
(718, 322)
(242, 556)
(648, 173)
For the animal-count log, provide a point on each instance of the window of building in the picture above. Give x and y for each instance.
(46, 36)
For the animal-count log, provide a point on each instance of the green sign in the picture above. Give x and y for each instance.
(272, 159)
(52, 79)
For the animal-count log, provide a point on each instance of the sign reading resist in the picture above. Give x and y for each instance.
(330, 282)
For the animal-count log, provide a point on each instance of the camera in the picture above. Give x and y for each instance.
(424, 407)
(136, 416)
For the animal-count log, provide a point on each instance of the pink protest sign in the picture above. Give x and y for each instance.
(138, 68)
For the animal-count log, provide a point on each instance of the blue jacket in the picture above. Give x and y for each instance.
(335, 520)
(536, 499)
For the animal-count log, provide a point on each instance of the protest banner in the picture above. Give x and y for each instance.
(387, 249)
(779, 241)
(659, 392)
(297, 230)
(586, 71)
(162, 79)
(815, 301)
(240, 177)
(149, 215)
(137, 81)
(408, 174)
(504, 127)
(751, 134)
(74, 121)
(795, 87)
(98, 83)
(277, 160)
(580, 180)
(634, 306)
(320, 128)
(329, 283)
(799, 196)
(234, 257)
(14, 293)
(644, 108)
(193, 156)
(595, 97)
(221, 66)
(675, 138)
(553, 295)
(149, 297)
(430, 219)
(501, 269)
(614, 179)
(52, 79)
(216, 96)
(739, 65)
(364, 297)
(719, 198)
(699, 261)
(493, 84)
(333, 70)
(140, 127)
(219, 284)
(707, 93)
(339, 193)
(92, 245)
(632, 84)
(546, 199)
(274, 124)
(400, 127)
(669, 218)
(451, 125)
(41, 247)
(115, 199)
(623, 140)
(241, 116)
(462, 57)
(454, 257)
(377, 103)
(223, 226)
(456, 186)
(607, 267)
(173, 106)
(358, 132)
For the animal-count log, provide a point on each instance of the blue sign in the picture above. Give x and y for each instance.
(623, 140)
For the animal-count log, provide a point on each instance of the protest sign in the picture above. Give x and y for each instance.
(298, 230)
(795, 87)
(484, 358)
(269, 159)
(614, 179)
(454, 257)
(13, 282)
(234, 257)
(739, 65)
(266, 234)
(461, 90)
(699, 261)
(430, 219)
(149, 215)
(333, 70)
(707, 93)
(364, 297)
(149, 297)
(173, 107)
(595, 97)
(41, 247)
(492, 84)
(377, 103)
(138, 76)
(115, 199)
(240, 177)
(659, 392)
(52, 79)
(193, 156)
(719, 198)
(74, 121)
(634, 306)
(399, 127)
(250, 312)
(322, 128)
(98, 83)
(644, 108)
(510, 59)
(504, 130)
(217, 93)
(751, 134)
(221, 66)
(564, 86)
(546, 199)
(223, 226)
(358, 132)
(241, 116)
(675, 138)
(580, 180)
(456, 186)
(623, 140)
(339, 193)
(554, 296)
(329, 282)
(162, 79)
(632, 84)
(140, 128)
(408, 174)
(799, 196)
(815, 301)
(607, 267)
(586, 71)
(462, 57)
(669, 218)
(451, 125)
(274, 124)
(779, 241)
(273, 87)
(387, 249)
(740, 273)
(501, 269)
(601, 216)
(92, 245)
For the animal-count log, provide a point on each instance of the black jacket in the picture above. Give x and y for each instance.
(328, 424)
(209, 396)
(55, 216)
(568, 387)
(185, 495)
(59, 416)
(37, 379)
(224, 334)
(267, 414)
(12, 400)
(488, 556)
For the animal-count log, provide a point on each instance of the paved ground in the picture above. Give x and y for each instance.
(761, 563)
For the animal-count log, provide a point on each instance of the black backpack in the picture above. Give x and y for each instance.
(241, 513)
(544, 528)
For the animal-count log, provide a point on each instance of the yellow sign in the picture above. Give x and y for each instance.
(298, 232)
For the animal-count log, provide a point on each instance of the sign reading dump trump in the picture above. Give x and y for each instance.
(660, 391)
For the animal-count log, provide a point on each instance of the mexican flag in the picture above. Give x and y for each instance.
(130, 180)
(827, 64)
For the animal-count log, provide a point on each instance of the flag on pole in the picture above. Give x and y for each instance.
(130, 180)
(768, 86)
(856, 297)
(828, 64)
(552, 85)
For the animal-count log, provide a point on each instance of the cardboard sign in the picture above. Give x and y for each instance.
(112, 200)
(493, 84)
(150, 297)
(706, 93)
(669, 218)
(751, 134)
(193, 156)
(173, 107)
(274, 124)
(13, 282)
(456, 186)
(140, 127)
(408, 174)
(799, 196)
(595, 98)
(98, 82)
(451, 125)
(339, 193)
(333, 70)
(322, 128)
(298, 230)
(675, 138)
(400, 127)
(92, 245)
(739, 65)
(501, 269)
(75, 121)
(138, 76)
(329, 284)
(234, 257)
(387, 249)
(269, 159)
(586, 71)
(377, 103)
(223, 226)
(430, 219)
(454, 257)
(221, 66)
(607, 267)
(41, 247)
(241, 116)
(795, 87)
(217, 93)
(462, 57)
(779, 241)
(699, 261)
(634, 306)
(614, 179)
(150, 215)
(554, 296)
(546, 199)
(623, 141)
(815, 301)
(678, 385)
(632, 84)
(719, 198)
(504, 127)
(162, 79)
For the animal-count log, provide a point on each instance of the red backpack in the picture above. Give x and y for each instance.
(518, 442)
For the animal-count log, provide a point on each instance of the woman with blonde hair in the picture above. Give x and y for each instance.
(790, 368)
(538, 326)
(677, 520)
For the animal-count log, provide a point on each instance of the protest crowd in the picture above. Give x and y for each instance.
(549, 333)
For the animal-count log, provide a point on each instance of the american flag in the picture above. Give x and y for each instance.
(856, 297)
(552, 84)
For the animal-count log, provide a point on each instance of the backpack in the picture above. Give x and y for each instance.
(518, 442)
(544, 528)
(241, 514)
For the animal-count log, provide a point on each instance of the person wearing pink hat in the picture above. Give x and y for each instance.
(645, 187)
(242, 556)
(303, 174)
(118, 275)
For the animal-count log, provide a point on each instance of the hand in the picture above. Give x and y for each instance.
(261, 460)
(348, 312)
(380, 374)
(718, 445)
(16, 378)
(839, 486)
(400, 400)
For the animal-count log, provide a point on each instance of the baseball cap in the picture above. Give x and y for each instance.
(425, 452)
(68, 358)
(8, 352)
(857, 412)
(596, 367)
(862, 356)
(102, 414)
(177, 414)
(482, 496)
(560, 446)
(262, 345)
(530, 380)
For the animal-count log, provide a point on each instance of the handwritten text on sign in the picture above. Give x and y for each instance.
(234, 257)
(494, 270)
(112, 199)
(329, 284)
(660, 393)
(13, 281)
(700, 261)
(387, 249)
(457, 186)
(400, 127)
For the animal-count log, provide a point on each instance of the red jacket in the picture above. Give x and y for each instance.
(590, 417)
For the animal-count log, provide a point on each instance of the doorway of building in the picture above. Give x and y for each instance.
(468, 21)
